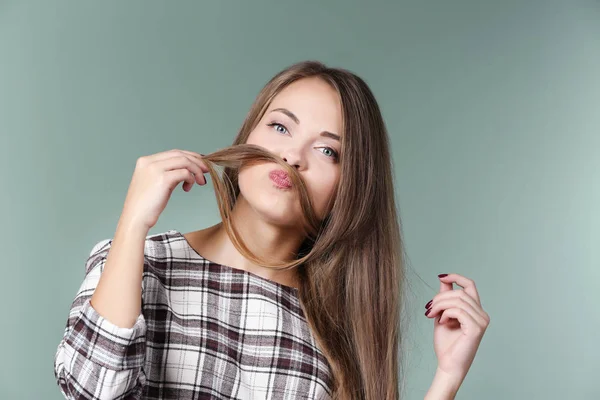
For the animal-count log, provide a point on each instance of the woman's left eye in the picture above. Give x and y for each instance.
(278, 127)
(329, 152)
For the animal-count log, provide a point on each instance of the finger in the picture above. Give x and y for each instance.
(178, 175)
(462, 296)
(468, 324)
(445, 286)
(183, 162)
(198, 158)
(454, 303)
(467, 284)
(163, 155)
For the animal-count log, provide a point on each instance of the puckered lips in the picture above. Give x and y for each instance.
(281, 179)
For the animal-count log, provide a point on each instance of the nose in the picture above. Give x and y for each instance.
(293, 157)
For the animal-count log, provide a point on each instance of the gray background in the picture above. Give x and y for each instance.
(493, 112)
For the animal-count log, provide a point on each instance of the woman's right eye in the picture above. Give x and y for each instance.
(278, 127)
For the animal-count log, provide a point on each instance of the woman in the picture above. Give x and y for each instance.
(295, 294)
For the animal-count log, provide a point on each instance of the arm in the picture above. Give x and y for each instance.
(443, 387)
(118, 296)
(103, 347)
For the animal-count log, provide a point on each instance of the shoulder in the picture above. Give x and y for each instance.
(156, 246)
(163, 244)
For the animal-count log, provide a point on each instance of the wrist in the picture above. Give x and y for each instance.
(443, 387)
(131, 225)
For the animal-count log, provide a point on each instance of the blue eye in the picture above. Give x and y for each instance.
(278, 127)
(329, 152)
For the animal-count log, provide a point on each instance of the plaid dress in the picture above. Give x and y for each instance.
(206, 331)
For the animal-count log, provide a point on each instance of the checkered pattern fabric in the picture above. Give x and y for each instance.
(206, 331)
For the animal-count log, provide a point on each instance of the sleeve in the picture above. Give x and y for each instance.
(96, 359)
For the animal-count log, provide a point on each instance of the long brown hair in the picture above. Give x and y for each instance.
(351, 265)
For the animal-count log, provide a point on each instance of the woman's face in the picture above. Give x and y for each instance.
(303, 126)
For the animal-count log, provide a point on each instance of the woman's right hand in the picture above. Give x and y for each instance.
(153, 181)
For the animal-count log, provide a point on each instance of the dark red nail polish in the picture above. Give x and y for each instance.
(428, 304)
(427, 312)
(442, 275)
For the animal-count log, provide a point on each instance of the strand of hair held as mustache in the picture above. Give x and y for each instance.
(232, 159)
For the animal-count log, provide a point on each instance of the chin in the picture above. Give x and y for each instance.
(276, 207)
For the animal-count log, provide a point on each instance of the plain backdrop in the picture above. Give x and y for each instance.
(493, 114)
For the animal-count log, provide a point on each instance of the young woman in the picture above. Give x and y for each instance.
(296, 294)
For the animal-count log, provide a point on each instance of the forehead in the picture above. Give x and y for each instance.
(315, 102)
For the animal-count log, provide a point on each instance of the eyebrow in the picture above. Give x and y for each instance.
(297, 121)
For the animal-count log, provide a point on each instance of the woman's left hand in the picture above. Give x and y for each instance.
(459, 325)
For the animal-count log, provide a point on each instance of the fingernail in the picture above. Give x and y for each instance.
(427, 312)
(428, 304)
(442, 275)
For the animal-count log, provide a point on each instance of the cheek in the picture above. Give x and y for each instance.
(246, 176)
(251, 138)
(323, 186)
(260, 138)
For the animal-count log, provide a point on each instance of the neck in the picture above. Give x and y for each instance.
(268, 242)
